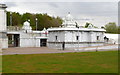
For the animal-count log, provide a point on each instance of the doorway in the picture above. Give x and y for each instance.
(16, 40)
(43, 42)
(13, 40)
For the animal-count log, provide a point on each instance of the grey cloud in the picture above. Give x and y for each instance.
(77, 9)
(91, 8)
(11, 4)
(88, 8)
(52, 4)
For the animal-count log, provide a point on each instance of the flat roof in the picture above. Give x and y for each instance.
(3, 6)
(13, 32)
(76, 29)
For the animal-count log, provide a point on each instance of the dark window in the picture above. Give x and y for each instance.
(43, 42)
(56, 37)
(40, 34)
(97, 37)
(77, 37)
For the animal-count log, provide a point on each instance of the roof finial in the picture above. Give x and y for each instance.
(68, 12)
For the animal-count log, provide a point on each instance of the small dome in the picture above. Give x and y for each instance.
(26, 26)
(69, 17)
(26, 23)
(44, 29)
(68, 21)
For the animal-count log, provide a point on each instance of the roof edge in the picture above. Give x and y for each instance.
(3, 6)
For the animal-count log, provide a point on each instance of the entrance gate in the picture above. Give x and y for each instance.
(13, 40)
(43, 42)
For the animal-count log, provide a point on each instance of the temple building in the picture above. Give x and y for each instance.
(70, 35)
(26, 37)
(12, 36)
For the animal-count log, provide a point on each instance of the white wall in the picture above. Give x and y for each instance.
(113, 38)
(3, 37)
(29, 40)
(4, 42)
(70, 38)
(2, 19)
(60, 36)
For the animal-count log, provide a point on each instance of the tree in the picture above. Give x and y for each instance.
(43, 20)
(16, 19)
(8, 18)
(111, 27)
(46, 21)
(87, 25)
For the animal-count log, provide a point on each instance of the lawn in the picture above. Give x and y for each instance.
(84, 62)
(0, 63)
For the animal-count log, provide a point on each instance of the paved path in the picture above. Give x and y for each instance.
(32, 50)
(40, 50)
(99, 48)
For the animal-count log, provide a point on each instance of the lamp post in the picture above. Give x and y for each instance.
(78, 34)
(10, 18)
(28, 20)
(78, 38)
(36, 23)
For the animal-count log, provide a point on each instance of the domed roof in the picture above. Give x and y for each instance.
(69, 17)
(68, 21)
(26, 26)
(44, 29)
(26, 23)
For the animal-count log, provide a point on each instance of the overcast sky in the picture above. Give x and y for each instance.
(98, 13)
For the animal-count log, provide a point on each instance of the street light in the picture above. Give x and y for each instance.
(10, 18)
(78, 34)
(36, 23)
(78, 37)
(28, 20)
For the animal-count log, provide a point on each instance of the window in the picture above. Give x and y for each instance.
(40, 34)
(77, 37)
(56, 37)
(97, 37)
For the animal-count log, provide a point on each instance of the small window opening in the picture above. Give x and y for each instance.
(97, 37)
(56, 37)
(77, 37)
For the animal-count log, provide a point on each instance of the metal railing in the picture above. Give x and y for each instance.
(14, 28)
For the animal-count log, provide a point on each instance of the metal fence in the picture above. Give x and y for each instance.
(14, 28)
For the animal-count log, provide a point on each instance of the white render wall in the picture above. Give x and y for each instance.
(29, 40)
(2, 19)
(73, 45)
(3, 40)
(59, 34)
(86, 38)
(3, 34)
(70, 36)
(4, 43)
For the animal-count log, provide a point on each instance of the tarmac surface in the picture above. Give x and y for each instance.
(32, 50)
(45, 50)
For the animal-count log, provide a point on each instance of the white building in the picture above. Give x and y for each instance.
(3, 37)
(26, 37)
(112, 38)
(20, 37)
(69, 36)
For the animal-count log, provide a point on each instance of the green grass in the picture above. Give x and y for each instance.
(84, 62)
(0, 63)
